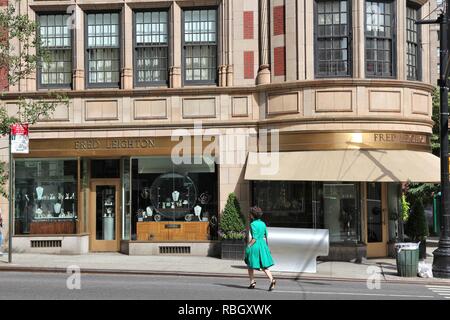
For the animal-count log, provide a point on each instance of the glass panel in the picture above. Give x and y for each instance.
(378, 30)
(332, 38)
(374, 213)
(126, 179)
(394, 209)
(46, 196)
(105, 212)
(332, 206)
(166, 192)
(341, 207)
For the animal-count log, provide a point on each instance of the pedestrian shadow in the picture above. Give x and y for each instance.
(235, 286)
(239, 267)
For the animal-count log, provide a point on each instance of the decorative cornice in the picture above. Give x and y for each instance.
(215, 90)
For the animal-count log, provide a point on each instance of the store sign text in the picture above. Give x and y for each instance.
(114, 144)
(401, 138)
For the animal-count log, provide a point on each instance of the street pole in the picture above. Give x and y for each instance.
(441, 260)
(10, 202)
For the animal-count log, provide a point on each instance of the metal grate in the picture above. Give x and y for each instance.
(46, 243)
(175, 250)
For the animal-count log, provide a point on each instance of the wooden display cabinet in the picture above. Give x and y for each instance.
(172, 231)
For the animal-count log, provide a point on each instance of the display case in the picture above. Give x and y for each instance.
(108, 211)
(45, 197)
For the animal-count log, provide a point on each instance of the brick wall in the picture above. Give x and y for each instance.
(248, 25)
(279, 61)
(278, 20)
(249, 62)
(3, 71)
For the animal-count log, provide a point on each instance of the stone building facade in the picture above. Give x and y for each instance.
(340, 89)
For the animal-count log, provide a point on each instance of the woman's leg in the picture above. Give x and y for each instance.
(251, 274)
(269, 274)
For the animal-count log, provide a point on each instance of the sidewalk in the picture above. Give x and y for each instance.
(202, 266)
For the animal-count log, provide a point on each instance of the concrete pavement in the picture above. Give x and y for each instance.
(383, 269)
(37, 286)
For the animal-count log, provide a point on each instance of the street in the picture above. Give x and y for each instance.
(34, 286)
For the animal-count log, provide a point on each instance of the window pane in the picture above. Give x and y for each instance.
(151, 52)
(103, 44)
(412, 43)
(379, 36)
(332, 38)
(55, 36)
(200, 37)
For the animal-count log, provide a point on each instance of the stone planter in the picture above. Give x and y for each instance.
(233, 249)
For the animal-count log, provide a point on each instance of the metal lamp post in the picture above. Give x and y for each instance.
(441, 260)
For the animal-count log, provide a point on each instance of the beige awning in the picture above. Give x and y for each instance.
(345, 165)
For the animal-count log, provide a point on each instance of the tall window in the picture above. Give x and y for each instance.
(103, 49)
(151, 47)
(200, 46)
(412, 43)
(56, 65)
(380, 28)
(333, 38)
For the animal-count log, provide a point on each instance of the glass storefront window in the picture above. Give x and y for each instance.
(394, 205)
(302, 204)
(46, 196)
(164, 192)
(341, 205)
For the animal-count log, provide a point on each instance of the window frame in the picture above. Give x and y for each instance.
(160, 83)
(349, 44)
(418, 9)
(183, 48)
(394, 71)
(40, 85)
(112, 85)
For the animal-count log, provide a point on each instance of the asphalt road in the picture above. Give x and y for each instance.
(93, 287)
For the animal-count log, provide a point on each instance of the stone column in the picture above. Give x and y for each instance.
(264, 68)
(78, 62)
(176, 36)
(127, 48)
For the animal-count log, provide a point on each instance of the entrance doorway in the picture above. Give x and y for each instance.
(377, 228)
(105, 215)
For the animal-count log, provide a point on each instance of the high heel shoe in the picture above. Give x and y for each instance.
(272, 285)
(252, 285)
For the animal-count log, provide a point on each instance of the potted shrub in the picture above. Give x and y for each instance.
(232, 230)
(416, 227)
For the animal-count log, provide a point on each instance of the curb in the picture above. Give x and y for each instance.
(210, 274)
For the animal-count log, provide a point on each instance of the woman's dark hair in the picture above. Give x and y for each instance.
(256, 212)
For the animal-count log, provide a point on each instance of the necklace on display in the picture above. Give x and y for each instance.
(39, 192)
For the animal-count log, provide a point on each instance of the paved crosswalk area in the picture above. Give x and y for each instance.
(442, 291)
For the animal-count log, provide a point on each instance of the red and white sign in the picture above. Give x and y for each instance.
(20, 142)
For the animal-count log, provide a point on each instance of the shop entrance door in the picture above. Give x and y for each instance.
(377, 231)
(105, 215)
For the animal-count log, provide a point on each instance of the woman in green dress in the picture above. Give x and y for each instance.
(257, 254)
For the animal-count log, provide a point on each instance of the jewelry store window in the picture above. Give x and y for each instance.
(46, 197)
(317, 205)
(174, 202)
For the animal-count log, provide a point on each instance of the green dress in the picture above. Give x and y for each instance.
(258, 255)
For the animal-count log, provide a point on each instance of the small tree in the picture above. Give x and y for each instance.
(416, 226)
(231, 225)
(17, 63)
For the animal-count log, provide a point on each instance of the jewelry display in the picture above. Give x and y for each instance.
(198, 211)
(39, 192)
(57, 208)
(175, 196)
